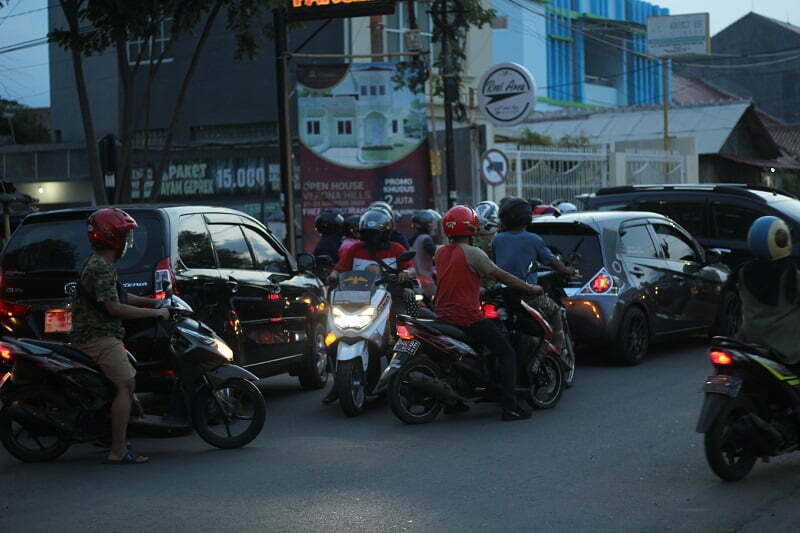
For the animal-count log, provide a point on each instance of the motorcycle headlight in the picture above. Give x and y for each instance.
(358, 320)
(224, 350)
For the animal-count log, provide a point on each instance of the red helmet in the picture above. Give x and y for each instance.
(540, 210)
(111, 228)
(460, 221)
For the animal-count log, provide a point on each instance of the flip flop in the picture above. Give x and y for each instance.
(130, 458)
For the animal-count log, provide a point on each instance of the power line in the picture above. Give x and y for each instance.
(51, 6)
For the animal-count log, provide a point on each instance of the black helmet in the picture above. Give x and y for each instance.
(351, 226)
(375, 227)
(534, 202)
(515, 212)
(329, 222)
(425, 220)
(396, 217)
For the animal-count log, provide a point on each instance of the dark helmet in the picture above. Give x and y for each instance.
(375, 227)
(351, 226)
(426, 220)
(515, 212)
(535, 202)
(396, 217)
(329, 222)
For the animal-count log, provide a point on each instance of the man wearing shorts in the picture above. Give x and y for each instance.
(99, 307)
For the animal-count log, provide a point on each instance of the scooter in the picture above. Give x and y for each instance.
(435, 364)
(751, 408)
(360, 329)
(54, 396)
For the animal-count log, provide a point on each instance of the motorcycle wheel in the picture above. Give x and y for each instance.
(727, 455)
(18, 439)
(217, 413)
(410, 405)
(351, 386)
(569, 357)
(546, 383)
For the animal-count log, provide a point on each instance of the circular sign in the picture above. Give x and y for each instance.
(507, 94)
(494, 167)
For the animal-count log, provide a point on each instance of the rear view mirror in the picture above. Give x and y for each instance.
(408, 255)
(306, 262)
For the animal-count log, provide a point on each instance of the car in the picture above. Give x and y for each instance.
(643, 279)
(238, 277)
(717, 215)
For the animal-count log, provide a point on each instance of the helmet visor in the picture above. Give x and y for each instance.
(129, 242)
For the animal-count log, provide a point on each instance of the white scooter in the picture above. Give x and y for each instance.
(360, 326)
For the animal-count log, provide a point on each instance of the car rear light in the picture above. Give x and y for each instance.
(490, 311)
(273, 296)
(403, 332)
(5, 353)
(601, 283)
(162, 278)
(720, 357)
(13, 309)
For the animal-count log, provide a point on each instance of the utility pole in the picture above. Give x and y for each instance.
(284, 124)
(450, 94)
(665, 100)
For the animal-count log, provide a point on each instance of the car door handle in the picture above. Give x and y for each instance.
(638, 272)
(232, 284)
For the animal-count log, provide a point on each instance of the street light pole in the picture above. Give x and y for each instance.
(450, 94)
(284, 124)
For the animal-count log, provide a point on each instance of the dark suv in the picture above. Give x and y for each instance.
(236, 275)
(717, 215)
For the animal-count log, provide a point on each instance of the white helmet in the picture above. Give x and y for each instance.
(567, 207)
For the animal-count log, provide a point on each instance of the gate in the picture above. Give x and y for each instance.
(648, 168)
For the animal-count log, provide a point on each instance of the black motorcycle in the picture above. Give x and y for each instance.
(54, 396)
(751, 408)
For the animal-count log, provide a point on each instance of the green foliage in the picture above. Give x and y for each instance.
(27, 127)
(416, 124)
(532, 138)
(574, 141)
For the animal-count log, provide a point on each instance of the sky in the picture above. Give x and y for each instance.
(24, 74)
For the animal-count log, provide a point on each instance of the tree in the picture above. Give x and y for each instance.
(28, 129)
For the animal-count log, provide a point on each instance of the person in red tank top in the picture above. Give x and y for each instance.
(460, 267)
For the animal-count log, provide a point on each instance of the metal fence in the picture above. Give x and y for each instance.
(645, 168)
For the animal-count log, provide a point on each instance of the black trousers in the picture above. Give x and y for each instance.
(499, 347)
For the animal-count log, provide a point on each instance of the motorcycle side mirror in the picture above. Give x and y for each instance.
(408, 255)
(306, 262)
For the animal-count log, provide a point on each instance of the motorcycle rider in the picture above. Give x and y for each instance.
(100, 304)
(329, 224)
(488, 216)
(519, 251)
(425, 223)
(394, 236)
(374, 230)
(769, 288)
(349, 233)
(460, 267)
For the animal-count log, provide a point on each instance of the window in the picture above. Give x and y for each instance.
(394, 126)
(382, 90)
(344, 127)
(150, 50)
(733, 222)
(373, 90)
(267, 257)
(364, 90)
(636, 242)
(675, 245)
(397, 25)
(691, 216)
(194, 243)
(232, 249)
(312, 127)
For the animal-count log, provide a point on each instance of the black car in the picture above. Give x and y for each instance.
(229, 267)
(644, 278)
(717, 215)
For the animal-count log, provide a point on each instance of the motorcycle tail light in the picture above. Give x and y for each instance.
(5, 353)
(490, 311)
(403, 332)
(601, 283)
(720, 357)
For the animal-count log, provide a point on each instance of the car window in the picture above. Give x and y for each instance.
(675, 245)
(690, 215)
(194, 243)
(266, 256)
(231, 247)
(635, 241)
(733, 222)
(564, 239)
(62, 245)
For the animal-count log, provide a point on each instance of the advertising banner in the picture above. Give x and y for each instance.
(362, 139)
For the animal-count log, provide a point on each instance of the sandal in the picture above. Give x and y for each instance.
(130, 458)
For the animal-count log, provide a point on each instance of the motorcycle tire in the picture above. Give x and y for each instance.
(569, 357)
(399, 388)
(733, 468)
(350, 383)
(206, 413)
(9, 437)
(546, 383)
(313, 371)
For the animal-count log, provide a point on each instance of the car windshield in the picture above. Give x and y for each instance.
(62, 245)
(564, 239)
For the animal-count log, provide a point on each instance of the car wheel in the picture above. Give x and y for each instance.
(633, 338)
(729, 316)
(313, 373)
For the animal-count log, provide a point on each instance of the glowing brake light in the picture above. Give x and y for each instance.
(718, 357)
(5, 353)
(490, 311)
(601, 283)
(272, 296)
(403, 332)
(13, 309)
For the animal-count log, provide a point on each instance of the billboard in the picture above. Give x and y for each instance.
(300, 10)
(678, 35)
(362, 139)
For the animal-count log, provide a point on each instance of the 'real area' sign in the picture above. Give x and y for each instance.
(506, 94)
(299, 10)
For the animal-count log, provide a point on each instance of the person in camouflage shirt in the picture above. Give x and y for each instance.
(99, 307)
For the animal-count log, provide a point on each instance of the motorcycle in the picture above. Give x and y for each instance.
(435, 364)
(360, 329)
(54, 396)
(751, 408)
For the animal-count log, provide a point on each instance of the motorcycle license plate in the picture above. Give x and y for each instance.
(57, 321)
(722, 384)
(409, 347)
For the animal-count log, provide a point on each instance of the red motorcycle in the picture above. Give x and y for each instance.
(435, 364)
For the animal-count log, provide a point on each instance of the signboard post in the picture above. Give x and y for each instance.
(507, 94)
(494, 167)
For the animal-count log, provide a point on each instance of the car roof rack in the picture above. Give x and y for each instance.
(741, 189)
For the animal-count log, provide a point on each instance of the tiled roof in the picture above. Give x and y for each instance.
(787, 136)
(686, 90)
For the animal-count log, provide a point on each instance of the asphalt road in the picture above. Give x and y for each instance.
(618, 454)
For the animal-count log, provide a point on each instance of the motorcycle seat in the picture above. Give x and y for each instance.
(65, 350)
(450, 330)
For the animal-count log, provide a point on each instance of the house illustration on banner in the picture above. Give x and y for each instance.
(364, 120)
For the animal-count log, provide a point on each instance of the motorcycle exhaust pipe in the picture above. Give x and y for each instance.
(768, 430)
(29, 414)
(441, 390)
